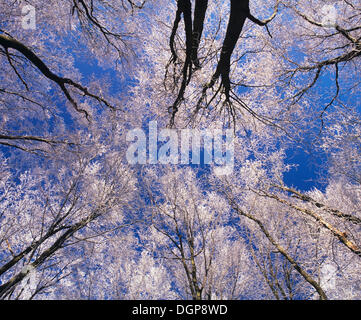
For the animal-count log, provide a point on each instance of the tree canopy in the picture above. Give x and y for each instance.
(279, 77)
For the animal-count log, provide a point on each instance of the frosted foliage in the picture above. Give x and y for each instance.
(78, 221)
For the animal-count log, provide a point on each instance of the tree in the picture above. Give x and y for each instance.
(191, 232)
(78, 222)
(296, 226)
(40, 79)
(44, 216)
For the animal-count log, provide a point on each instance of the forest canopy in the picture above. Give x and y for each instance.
(189, 149)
